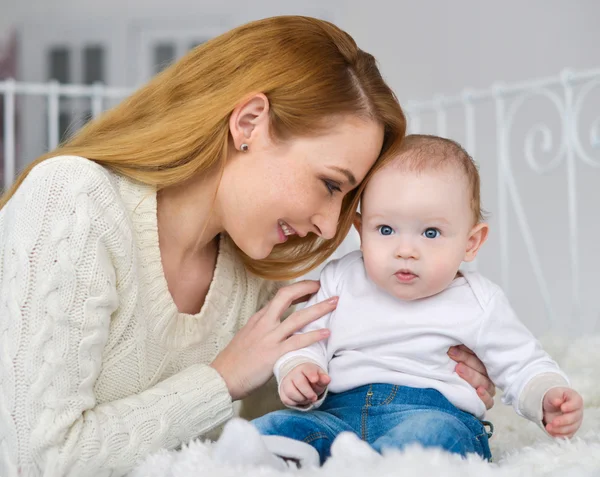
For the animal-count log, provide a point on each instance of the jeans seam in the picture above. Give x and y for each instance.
(391, 397)
(482, 443)
(365, 414)
(314, 436)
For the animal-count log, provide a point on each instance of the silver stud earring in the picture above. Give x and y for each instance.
(244, 147)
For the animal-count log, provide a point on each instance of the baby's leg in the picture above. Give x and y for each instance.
(316, 428)
(434, 428)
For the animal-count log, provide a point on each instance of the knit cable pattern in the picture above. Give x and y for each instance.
(95, 374)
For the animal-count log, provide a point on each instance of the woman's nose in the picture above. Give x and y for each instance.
(326, 223)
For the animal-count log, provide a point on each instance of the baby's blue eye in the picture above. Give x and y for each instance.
(385, 230)
(431, 233)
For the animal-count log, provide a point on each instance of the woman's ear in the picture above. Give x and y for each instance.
(248, 119)
(477, 238)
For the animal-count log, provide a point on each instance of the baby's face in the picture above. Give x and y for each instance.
(415, 230)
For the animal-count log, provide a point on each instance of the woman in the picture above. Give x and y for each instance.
(133, 254)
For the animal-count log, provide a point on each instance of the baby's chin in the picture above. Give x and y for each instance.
(414, 292)
(411, 296)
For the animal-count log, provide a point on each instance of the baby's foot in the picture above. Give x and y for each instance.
(241, 444)
(348, 447)
(295, 453)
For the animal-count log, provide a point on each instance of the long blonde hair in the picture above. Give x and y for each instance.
(177, 125)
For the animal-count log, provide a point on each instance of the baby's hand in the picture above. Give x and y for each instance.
(303, 385)
(563, 412)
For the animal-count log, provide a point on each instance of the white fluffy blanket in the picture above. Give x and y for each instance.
(519, 447)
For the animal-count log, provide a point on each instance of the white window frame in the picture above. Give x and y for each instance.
(181, 37)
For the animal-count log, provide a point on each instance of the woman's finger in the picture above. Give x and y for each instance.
(303, 340)
(299, 319)
(256, 317)
(285, 296)
(465, 348)
(486, 397)
(459, 354)
(304, 298)
(475, 378)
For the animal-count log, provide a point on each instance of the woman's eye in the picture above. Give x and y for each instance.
(385, 230)
(331, 186)
(431, 233)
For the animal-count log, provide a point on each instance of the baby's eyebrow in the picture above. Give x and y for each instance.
(375, 217)
(440, 220)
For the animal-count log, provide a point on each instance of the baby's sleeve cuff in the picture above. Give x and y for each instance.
(531, 401)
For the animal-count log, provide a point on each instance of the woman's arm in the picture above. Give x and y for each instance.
(61, 235)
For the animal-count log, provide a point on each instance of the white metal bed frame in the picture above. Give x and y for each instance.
(567, 92)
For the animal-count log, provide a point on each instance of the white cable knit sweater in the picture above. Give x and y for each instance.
(97, 366)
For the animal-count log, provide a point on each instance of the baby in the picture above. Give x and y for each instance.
(383, 374)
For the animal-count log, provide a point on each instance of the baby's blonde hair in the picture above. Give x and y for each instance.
(422, 152)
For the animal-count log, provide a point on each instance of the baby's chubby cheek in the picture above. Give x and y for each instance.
(439, 278)
(377, 269)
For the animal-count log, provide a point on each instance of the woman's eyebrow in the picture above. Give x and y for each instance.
(347, 173)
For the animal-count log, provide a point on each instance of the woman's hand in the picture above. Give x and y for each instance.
(473, 371)
(247, 361)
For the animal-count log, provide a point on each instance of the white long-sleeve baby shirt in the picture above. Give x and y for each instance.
(378, 338)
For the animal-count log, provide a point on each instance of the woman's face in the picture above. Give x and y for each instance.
(277, 189)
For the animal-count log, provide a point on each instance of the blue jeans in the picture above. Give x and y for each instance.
(385, 416)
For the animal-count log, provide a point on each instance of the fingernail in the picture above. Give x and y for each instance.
(325, 332)
(453, 352)
(333, 300)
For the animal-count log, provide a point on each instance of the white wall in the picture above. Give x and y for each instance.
(424, 48)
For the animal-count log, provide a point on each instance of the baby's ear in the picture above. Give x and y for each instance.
(477, 238)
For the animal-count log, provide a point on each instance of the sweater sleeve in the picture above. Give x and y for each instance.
(515, 360)
(66, 251)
